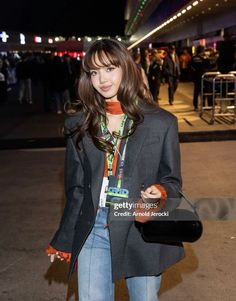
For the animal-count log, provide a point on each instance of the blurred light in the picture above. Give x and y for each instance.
(4, 36)
(89, 39)
(22, 39)
(79, 39)
(150, 45)
(189, 7)
(58, 39)
(37, 39)
(195, 3)
(183, 11)
(50, 40)
(179, 14)
(202, 42)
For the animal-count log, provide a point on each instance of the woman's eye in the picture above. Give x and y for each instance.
(93, 73)
(110, 68)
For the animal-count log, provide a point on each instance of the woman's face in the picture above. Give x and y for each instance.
(106, 79)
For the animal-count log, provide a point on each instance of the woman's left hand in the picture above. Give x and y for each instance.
(152, 192)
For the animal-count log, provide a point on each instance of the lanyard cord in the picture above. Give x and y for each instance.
(115, 141)
(107, 136)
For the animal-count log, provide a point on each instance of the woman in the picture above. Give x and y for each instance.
(121, 144)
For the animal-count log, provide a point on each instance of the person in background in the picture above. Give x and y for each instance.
(59, 84)
(24, 71)
(226, 50)
(198, 68)
(70, 74)
(210, 59)
(145, 60)
(184, 60)
(171, 71)
(155, 74)
(3, 84)
(121, 141)
(137, 60)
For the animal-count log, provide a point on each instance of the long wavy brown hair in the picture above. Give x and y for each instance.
(131, 92)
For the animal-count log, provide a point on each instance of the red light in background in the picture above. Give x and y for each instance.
(202, 42)
(37, 39)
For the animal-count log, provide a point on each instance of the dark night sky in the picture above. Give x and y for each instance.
(65, 17)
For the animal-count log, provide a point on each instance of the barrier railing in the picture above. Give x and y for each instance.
(219, 90)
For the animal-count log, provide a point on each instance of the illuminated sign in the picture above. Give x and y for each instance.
(22, 39)
(4, 36)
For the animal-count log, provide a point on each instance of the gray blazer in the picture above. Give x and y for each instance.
(152, 157)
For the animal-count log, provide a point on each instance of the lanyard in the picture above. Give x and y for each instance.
(115, 141)
(121, 166)
(107, 136)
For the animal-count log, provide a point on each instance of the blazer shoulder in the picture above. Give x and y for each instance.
(73, 121)
(159, 115)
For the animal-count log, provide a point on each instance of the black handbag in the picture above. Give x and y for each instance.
(181, 225)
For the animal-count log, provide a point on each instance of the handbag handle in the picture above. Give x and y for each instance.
(188, 201)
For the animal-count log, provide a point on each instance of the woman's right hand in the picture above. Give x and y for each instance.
(55, 256)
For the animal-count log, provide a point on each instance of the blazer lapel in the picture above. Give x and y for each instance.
(133, 149)
(96, 160)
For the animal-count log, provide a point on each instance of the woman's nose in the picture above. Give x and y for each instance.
(102, 77)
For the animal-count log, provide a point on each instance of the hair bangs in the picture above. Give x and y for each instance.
(99, 58)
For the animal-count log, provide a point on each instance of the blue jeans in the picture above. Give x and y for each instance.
(94, 269)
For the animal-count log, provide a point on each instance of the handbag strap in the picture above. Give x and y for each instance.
(189, 202)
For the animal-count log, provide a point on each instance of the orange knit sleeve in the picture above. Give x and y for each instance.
(50, 250)
(162, 191)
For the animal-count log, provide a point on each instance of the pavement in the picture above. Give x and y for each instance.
(32, 200)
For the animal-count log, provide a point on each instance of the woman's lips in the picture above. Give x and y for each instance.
(105, 88)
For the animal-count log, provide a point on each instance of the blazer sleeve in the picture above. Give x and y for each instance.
(74, 188)
(169, 174)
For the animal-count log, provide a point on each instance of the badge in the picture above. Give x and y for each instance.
(115, 194)
(103, 195)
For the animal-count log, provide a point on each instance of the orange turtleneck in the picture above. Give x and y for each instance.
(114, 107)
